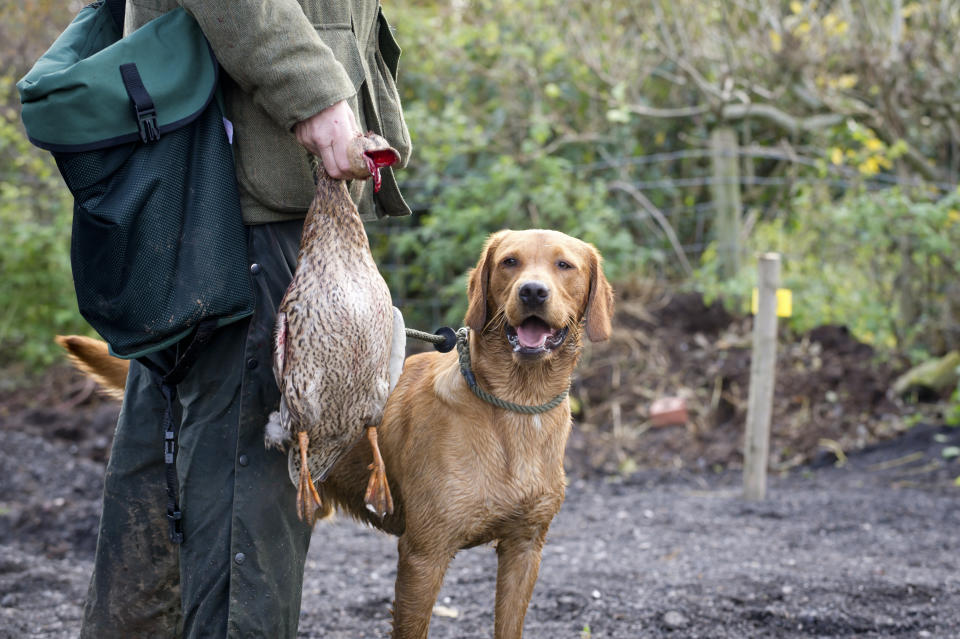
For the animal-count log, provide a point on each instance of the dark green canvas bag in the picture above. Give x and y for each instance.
(158, 245)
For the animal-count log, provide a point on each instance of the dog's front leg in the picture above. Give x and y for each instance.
(420, 571)
(518, 563)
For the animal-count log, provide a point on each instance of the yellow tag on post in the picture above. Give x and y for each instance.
(784, 302)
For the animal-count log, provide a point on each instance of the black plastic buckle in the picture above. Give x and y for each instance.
(176, 534)
(147, 124)
(169, 447)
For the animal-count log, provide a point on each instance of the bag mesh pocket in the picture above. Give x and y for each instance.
(158, 241)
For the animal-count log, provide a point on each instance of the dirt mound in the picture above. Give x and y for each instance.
(830, 393)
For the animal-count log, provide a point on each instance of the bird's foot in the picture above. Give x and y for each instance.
(377, 498)
(308, 499)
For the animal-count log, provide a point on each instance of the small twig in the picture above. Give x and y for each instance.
(900, 461)
(86, 391)
(615, 415)
(922, 470)
(834, 447)
(678, 112)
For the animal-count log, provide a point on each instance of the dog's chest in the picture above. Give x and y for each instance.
(522, 479)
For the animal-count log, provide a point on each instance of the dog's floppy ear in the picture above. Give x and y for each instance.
(476, 317)
(599, 311)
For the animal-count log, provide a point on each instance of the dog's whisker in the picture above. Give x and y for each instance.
(496, 322)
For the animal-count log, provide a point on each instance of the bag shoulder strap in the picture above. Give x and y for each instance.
(116, 8)
(171, 427)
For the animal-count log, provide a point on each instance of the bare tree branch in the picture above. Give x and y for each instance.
(677, 112)
(657, 215)
(789, 123)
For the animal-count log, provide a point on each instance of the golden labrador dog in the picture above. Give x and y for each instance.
(462, 470)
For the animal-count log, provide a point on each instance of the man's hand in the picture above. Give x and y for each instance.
(327, 135)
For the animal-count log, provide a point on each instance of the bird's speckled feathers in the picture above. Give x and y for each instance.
(334, 331)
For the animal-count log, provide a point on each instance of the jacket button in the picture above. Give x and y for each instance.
(239, 558)
(255, 269)
(244, 460)
(252, 363)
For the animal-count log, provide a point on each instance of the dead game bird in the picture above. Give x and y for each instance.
(334, 335)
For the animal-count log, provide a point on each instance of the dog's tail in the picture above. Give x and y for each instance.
(93, 358)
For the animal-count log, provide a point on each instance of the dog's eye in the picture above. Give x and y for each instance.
(510, 261)
(563, 266)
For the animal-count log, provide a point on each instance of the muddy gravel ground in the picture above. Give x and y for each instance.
(867, 549)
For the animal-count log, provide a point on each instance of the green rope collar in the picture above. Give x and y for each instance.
(463, 350)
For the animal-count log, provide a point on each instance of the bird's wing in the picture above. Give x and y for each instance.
(398, 347)
(289, 414)
(280, 349)
(278, 426)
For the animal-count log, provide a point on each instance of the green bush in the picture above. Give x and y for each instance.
(36, 294)
(952, 416)
(883, 263)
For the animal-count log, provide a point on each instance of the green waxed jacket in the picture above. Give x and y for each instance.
(288, 60)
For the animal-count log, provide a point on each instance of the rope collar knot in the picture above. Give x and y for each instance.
(463, 350)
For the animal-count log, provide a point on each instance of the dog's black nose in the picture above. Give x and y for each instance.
(534, 293)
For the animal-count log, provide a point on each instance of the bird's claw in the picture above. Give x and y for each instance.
(377, 497)
(308, 499)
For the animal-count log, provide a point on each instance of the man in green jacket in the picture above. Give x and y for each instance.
(302, 74)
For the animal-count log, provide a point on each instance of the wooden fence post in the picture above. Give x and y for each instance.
(725, 189)
(762, 369)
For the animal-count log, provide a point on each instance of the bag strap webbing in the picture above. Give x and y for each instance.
(116, 8)
(171, 427)
(145, 110)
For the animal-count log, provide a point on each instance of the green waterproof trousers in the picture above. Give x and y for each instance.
(240, 569)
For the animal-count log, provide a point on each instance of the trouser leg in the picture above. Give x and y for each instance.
(241, 565)
(244, 551)
(265, 590)
(205, 471)
(135, 587)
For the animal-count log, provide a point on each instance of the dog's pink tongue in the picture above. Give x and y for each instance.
(533, 334)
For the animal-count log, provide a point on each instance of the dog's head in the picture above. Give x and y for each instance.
(535, 288)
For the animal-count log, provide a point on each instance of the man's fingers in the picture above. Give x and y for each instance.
(329, 161)
(343, 162)
(329, 135)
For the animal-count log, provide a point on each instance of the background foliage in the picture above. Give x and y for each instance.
(595, 118)
(36, 294)
(534, 111)
(882, 264)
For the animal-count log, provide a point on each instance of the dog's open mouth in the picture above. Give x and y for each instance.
(534, 336)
